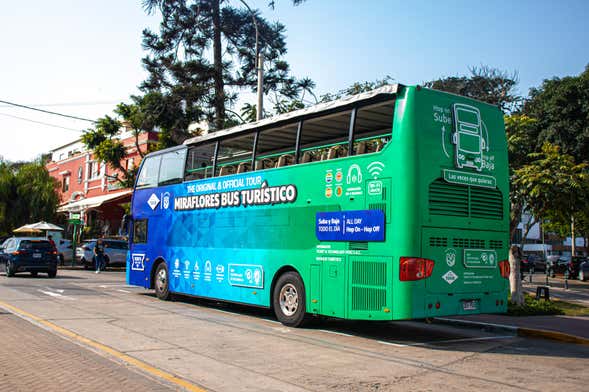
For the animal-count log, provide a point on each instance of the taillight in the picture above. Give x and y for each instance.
(504, 268)
(54, 252)
(415, 268)
(17, 252)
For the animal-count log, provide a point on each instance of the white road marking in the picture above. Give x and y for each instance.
(123, 291)
(336, 333)
(393, 344)
(56, 295)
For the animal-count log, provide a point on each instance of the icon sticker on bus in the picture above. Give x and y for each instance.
(468, 137)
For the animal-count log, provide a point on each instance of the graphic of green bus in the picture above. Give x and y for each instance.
(468, 137)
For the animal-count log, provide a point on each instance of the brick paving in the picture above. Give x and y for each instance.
(33, 359)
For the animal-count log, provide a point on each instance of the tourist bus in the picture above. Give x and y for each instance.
(358, 208)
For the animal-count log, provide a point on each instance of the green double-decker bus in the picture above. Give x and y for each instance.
(387, 205)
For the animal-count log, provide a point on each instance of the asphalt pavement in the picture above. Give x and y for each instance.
(195, 344)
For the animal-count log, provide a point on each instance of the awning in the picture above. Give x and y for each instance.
(93, 202)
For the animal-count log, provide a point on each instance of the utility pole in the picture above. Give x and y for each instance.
(259, 61)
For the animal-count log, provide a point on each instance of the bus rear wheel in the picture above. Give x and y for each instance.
(288, 300)
(162, 282)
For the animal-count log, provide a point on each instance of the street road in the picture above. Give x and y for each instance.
(225, 347)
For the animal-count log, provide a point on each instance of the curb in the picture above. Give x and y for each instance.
(519, 331)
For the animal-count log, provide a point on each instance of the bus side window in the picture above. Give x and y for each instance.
(274, 145)
(147, 178)
(140, 231)
(199, 162)
(373, 127)
(235, 155)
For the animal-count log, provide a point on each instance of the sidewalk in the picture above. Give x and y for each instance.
(33, 359)
(578, 292)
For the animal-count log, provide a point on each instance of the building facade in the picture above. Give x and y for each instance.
(90, 188)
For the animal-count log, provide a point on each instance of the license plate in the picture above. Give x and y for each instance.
(36, 255)
(470, 304)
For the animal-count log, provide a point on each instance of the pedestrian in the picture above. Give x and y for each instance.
(50, 239)
(99, 254)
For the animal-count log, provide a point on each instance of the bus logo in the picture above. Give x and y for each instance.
(375, 169)
(166, 200)
(328, 192)
(450, 277)
(468, 137)
(354, 174)
(137, 261)
(328, 177)
(153, 201)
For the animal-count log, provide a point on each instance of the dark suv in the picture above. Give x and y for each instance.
(24, 254)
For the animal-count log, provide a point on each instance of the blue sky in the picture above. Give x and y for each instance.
(86, 56)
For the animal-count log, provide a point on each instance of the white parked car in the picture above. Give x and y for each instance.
(64, 251)
(115, 253)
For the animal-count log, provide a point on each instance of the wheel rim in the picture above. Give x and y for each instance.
(289, 299)
(161, 280)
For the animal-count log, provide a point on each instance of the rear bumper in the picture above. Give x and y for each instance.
(35, 268)
(437, 305)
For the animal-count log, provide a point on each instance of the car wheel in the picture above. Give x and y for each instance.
(288, 300)
(84, 263)
(162, 282)
(9, 269)
(61, 259)
(52, 273)
(106, 262)
(33, 273)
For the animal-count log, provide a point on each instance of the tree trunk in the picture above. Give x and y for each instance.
(515, 218)
(573, 239)
(515, 281)
(219, 101)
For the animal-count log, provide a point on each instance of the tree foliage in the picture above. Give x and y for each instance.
(204, 54)
(552, 184)
(486, 84)
(27, 194)
(561, 109)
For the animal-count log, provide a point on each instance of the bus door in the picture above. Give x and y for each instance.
(138, 263)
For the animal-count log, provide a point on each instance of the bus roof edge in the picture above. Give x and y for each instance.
(349, 100)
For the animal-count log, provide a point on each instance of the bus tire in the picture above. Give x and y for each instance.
(288, 300)
(161, 282)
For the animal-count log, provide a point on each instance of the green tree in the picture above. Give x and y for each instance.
(204, 54)
(27, 194)
(486, 84)
(553, 185)
(561, 107)
(520, 144)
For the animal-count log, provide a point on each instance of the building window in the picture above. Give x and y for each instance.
(80, 174)
(93, 169)
(65, 184)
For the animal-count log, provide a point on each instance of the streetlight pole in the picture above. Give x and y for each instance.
(259, 61)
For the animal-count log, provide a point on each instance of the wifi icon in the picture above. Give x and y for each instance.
(375, 168)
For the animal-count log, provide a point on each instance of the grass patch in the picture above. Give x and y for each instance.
(533, 307)
(571, 309)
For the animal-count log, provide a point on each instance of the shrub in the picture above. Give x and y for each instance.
(533, 307)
